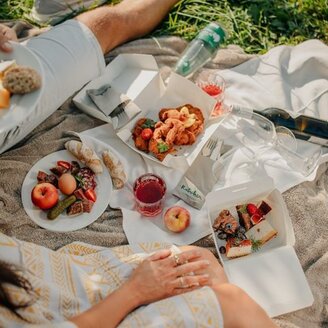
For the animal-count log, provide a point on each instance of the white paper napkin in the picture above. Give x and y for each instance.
(118, 106)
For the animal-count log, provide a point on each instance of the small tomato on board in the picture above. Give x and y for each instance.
(212, 90)
(146, 134)
(91, 195)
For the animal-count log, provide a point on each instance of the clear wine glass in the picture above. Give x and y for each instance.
(255, 136)
(259, 135)
(303, 160)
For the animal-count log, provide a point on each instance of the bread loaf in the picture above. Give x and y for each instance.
(115, 169)
(85, 154)
(21, 80)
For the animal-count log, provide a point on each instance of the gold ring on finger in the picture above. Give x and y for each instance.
(181, 280)
(177, 259)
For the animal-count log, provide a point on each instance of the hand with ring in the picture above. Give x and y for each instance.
(162, 275)
(6, 34)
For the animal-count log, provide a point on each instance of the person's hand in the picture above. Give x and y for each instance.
(161, 276)
(6, 34)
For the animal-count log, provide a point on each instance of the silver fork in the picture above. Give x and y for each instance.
(120, 113)
(209, 146)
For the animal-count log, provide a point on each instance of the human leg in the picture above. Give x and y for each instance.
(128, 20)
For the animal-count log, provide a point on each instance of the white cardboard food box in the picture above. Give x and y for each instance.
(137, 76)
(273, 275)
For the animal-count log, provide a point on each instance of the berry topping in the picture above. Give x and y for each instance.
(251, 209)
(222, 250)
(264, 208)
(256, 218)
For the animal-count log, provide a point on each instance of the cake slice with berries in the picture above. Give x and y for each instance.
(263, 232)
(237, 247)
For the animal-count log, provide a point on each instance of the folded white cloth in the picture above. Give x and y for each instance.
(290, 78)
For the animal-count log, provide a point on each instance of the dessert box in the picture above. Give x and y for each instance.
(272, 275)
(137, 78)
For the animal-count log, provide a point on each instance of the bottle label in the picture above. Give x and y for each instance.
(213, 35)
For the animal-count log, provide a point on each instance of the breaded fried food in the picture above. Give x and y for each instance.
(166, 113)
(177, 126)
(160, 149)
(192, 118)
(185, 138)
(163, 138)
(139, 142)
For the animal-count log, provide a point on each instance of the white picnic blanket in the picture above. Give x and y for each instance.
(245, 87)
(290, 78)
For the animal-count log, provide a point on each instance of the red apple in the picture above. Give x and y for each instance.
(177, 219)
(44, 195)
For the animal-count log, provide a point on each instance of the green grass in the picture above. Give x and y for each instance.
(255, 25)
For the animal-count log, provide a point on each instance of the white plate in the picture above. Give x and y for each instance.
(21, 106)
(63, 222)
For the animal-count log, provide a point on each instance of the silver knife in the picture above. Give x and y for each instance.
(216, 151)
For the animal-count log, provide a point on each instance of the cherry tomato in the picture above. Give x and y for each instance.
(212, 90)
(64, 164)
(146, 134)
(91, 195)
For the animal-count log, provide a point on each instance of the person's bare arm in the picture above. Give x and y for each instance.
(155, 278)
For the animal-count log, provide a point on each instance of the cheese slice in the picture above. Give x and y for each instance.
(239, 248)
(262, 231)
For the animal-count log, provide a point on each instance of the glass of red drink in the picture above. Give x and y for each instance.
(149, 191)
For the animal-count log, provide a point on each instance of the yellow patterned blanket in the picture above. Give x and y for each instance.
(72, 279)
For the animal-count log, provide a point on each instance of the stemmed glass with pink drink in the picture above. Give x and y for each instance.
(214, 85)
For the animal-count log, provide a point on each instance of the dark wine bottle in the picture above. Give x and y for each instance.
(304, 127)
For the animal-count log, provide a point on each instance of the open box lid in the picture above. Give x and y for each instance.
(274, 278)
(134, 75)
